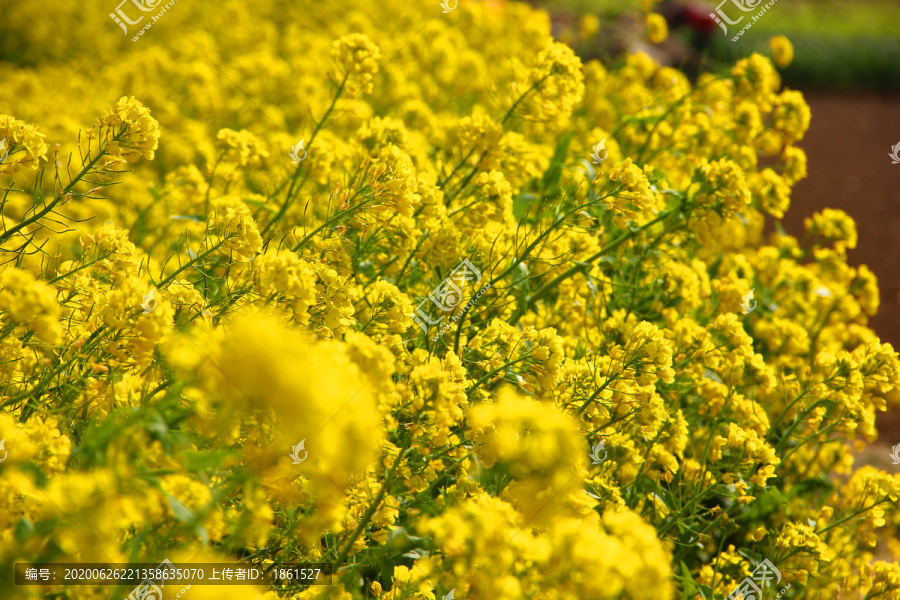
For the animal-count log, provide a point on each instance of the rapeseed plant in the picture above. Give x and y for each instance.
(182, 304)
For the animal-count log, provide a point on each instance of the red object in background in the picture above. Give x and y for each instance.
(698, 18)
(695, 16)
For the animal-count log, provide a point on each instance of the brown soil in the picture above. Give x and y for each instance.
(847, 148)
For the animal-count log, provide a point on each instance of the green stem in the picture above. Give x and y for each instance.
(287, 201)
(56, 199)
(84, 266)
(327, 223)
(669, 111)
(593, 397)
(506, 117)
(188, 264)
(494, 372)
(847, 518)
(793, 426)
(363, 523)
(582, 265)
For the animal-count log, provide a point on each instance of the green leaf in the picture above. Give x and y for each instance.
(668, 498)
(200, 530)
(754, 557)
(550, 181)
(779, 496)
(24, 530)
(521, 204)
(196, 462)
(158, 426)
(689, 586)
(182, 513)
(39, 478)
(262, 205)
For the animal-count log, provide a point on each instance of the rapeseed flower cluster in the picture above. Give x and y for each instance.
(210, 352)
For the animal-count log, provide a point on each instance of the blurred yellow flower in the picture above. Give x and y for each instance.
(657, 29)
(356, 58)
(782, 50)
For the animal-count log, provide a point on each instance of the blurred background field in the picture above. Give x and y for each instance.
(839, 45)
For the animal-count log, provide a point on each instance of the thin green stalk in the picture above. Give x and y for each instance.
(582, 265)
(494, 372)
(506, 117)
(364, 521)
(328, 223)
(847, 518)
(189, 264)
(84, 266)
(56, 199)
(290, 193)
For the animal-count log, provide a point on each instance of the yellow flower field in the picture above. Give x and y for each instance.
(415, 293)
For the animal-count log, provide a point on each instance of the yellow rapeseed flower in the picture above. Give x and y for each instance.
(782, 50)
(657, 29)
